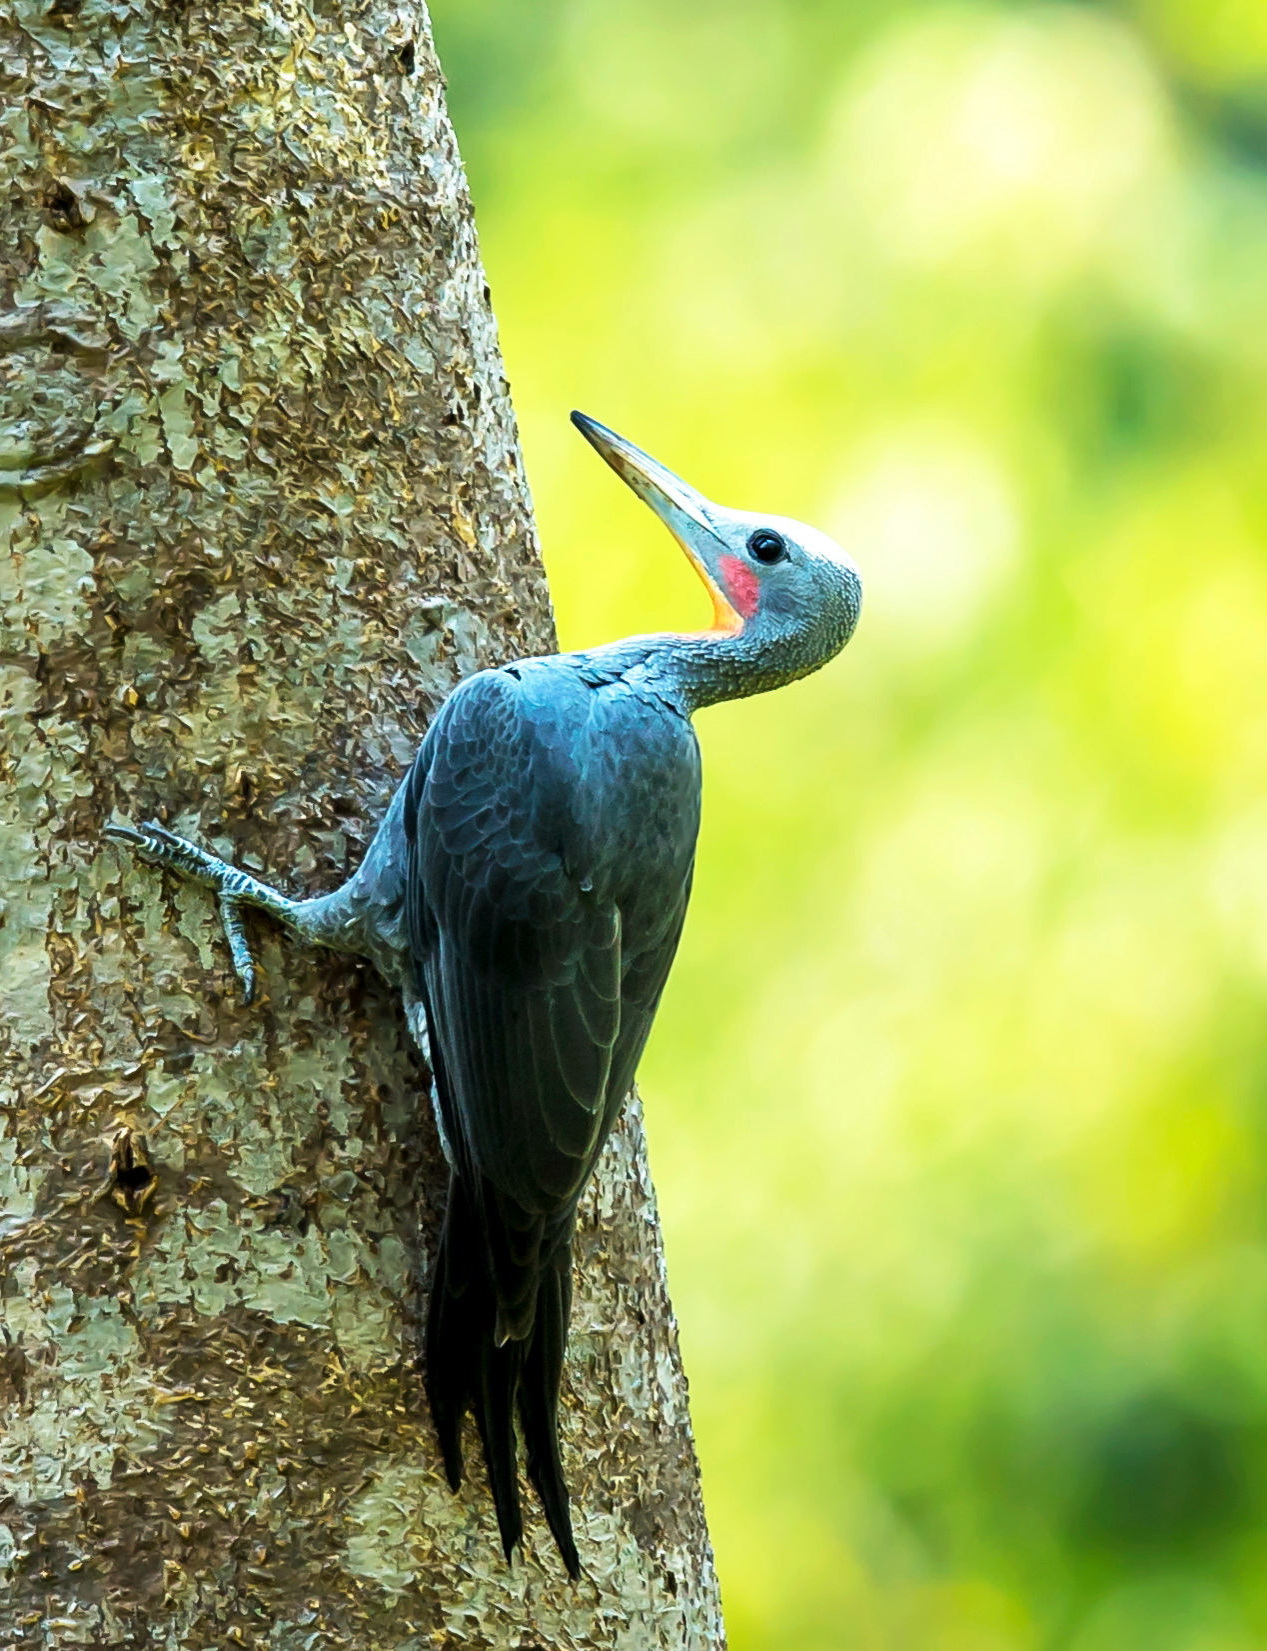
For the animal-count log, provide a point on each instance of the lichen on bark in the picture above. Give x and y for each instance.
(261, 505)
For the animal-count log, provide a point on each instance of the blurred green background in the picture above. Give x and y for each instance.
(958, 1098)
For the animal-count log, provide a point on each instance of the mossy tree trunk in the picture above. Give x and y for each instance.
(261, 504)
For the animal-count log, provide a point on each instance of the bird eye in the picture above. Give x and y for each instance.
(767, 546)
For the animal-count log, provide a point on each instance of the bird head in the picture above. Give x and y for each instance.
(773, 581)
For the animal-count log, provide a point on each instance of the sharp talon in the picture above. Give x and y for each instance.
(123, 834)
(239, 944)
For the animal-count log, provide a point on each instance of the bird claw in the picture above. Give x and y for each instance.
(157, 846)
(154, 845)
(239, 944)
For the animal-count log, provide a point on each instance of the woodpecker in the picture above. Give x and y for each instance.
(525, 893)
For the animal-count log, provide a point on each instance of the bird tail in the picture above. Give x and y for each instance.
(539, 1397)
(472, 1365)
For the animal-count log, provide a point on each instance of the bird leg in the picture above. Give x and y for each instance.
(235, 890)
(363, 918)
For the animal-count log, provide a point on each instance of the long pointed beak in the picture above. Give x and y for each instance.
(682, 510)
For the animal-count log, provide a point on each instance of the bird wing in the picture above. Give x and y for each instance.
(519, 943)
(550, 822)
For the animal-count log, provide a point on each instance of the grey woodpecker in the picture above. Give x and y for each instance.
(525, 892)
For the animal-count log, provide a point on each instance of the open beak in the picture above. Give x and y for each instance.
(682, 510)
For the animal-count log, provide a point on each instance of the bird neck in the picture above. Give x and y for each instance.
(695, 669)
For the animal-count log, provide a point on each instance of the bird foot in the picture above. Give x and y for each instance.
(156, 846)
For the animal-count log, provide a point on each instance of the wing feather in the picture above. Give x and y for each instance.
(546, 884)
(536, 986)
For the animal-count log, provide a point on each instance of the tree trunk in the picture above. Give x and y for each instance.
(262, 505)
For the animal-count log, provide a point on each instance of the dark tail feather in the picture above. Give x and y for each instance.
(539, 1402)
(453, 1332)
(495, 1414)
(467, 1370)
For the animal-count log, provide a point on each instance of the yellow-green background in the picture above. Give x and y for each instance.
(958, 1097)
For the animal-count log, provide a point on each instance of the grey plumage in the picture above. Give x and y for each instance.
(526, 893)
(551, 821)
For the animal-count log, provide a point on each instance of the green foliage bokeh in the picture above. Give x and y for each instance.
(957, 1098)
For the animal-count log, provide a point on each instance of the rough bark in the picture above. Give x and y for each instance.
(261, 504)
